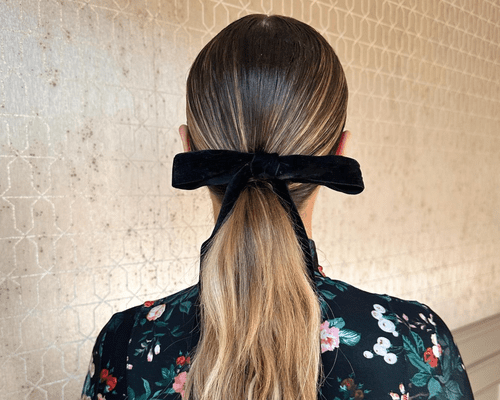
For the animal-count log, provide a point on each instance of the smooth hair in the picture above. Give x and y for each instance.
(263, 84)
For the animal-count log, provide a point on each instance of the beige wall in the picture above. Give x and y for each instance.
(91, 93)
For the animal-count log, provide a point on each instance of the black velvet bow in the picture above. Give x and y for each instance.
(192, 170)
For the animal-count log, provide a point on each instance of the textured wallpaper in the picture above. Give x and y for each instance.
(91, 95)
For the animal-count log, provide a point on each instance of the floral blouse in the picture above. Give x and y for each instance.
(373, 347)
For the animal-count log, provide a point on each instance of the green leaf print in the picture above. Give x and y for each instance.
(434, 388)
(185, 306)
(161, 324)
(131, 394)
(452, 390)
(182, 297)
(341, 286)
(421, 378)
(414, 357)
(176, 332)
(327, 294)
(348, 337)
(168, 375)
(419, 342)
(417, 361)
(337, 323)
(168, 314)
(147, 388)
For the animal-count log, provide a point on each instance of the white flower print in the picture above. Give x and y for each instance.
(384, 342)
(379, 308)
(382, 346)
(377, 315)
(379, 349)
(391, 358)
(386, 325)
(436, 349)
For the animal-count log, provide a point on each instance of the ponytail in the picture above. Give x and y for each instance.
(268, 84)
(260, 316)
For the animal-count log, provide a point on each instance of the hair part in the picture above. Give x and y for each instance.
(263, 84)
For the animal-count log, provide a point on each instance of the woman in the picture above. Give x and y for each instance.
(266, 107)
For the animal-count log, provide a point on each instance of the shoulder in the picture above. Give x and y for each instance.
(175, 307)
(354, 299)
(154, 311)
(119, 322)
(395, 333)
(384, 314)
(108, 373)
(174, 300)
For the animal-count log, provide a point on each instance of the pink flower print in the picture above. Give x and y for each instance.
(329, 337)
(179, 382)
(155, 312)
(150, 355)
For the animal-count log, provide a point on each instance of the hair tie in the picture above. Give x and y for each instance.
(192, 170)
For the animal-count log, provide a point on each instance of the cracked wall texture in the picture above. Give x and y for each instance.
(91, 95)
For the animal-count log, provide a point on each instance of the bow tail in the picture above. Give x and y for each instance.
(281, 189)
(235, 186)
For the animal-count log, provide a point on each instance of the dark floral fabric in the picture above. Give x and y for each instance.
(373, 347)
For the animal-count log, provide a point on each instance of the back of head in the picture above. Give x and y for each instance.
(263, 84)
(267, 83)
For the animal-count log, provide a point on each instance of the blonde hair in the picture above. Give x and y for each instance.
(271, 84)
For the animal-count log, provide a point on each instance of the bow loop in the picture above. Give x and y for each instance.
(265, 166)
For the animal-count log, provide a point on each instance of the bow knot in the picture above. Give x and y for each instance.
(265, 165)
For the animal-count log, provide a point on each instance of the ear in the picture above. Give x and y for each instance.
(344, 137)
(186, 141)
